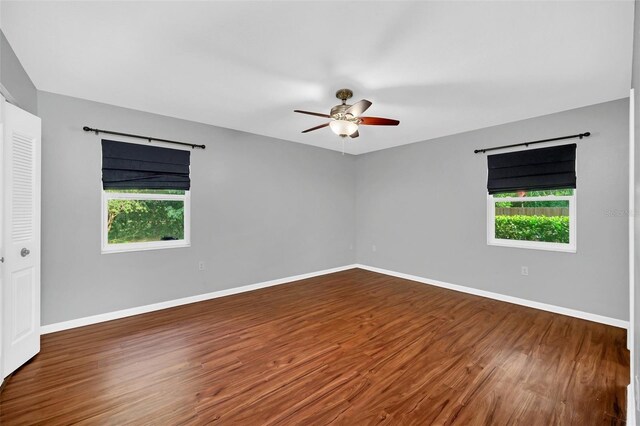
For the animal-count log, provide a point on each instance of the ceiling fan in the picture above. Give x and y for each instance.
(345, 118)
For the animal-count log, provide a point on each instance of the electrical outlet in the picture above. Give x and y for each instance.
(374, 248)
(524, 270)
(201, 265)
(350, 246)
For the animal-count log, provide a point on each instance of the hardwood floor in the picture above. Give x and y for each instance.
(352, 348)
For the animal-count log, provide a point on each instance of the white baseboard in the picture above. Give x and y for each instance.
(94, 319)
(503, 298)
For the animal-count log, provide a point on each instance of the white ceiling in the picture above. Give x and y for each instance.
(438, 67)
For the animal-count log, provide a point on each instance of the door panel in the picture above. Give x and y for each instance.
(21, 245)
(22, 188)
(22, 292)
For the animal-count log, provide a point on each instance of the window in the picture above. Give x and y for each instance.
(544, 219)
(145, 197)
(531, 201)
(139, 219)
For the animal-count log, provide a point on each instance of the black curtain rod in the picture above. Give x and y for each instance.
(192, 145)
(580, 135)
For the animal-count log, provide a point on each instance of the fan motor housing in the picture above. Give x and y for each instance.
(339, 110)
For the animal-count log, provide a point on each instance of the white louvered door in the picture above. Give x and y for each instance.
(21, 238)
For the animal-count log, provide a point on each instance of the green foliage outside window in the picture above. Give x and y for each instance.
(134, 221)
(552, 229)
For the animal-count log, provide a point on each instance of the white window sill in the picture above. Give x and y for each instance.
(125, 248)
(535, 245)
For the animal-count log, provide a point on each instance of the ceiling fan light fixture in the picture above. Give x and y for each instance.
(345, 119)
(343, 127)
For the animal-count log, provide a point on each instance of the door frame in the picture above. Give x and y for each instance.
(2, 103)
(631, 389)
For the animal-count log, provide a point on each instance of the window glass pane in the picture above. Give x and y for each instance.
(532, 221)
(556, 192)
(147, 191)
(136, 221)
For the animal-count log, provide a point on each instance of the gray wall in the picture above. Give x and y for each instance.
(424, 208)
(265, 209)
(14, 78)
(261, 209)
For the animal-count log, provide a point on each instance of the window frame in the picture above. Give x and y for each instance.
(147, 245)
(536, 245)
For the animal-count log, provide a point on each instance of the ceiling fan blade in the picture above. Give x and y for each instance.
(358, 108)
(315, 128)
(354, 134)
(378, 121)
(317, 114)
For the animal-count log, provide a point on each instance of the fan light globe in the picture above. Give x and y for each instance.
(343, 127)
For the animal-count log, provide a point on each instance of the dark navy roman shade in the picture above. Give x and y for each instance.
(128, 165)
(535, 169)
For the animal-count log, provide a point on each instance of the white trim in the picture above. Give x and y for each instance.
(534, 199)
(149, 245)
(2, 265)
(631, 412)
(532, 245)
(504, 298)
(108, 195)
(631, 395)
(94, 319)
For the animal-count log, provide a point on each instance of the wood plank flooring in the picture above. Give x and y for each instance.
(351, 348)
